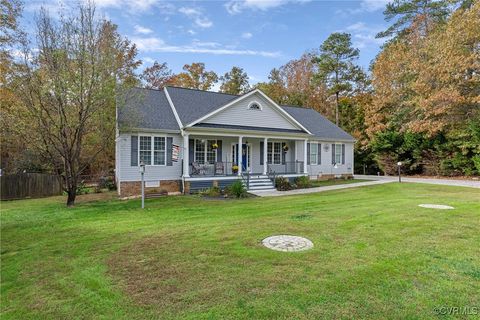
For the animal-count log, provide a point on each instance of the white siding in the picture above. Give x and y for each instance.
(326, 166)
(239, 114)
(152, 173)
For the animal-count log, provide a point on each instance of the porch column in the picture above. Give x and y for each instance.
(265, 155)
(305, 156)
(186, 153)
(239, 155)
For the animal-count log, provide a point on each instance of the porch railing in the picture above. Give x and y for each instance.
(289, 167)
(212, 169)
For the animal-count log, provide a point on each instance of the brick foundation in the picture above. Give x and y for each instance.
(134, 188)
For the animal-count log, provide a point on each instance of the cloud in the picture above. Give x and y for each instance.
(365, 6)
(373, 5)
(134, 6)
(142, 30)
(237, 6)
(197, 16)
(131, 7)
(247, 35)
(148, 60)
(190, 31)
(153, 44)
(363, 35)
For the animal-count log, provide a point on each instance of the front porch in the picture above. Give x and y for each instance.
(207, 156)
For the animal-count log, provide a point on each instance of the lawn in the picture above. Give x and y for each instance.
(334, 182)
(376, 255)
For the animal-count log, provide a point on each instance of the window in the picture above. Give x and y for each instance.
(254, 106)
(146, 150)
(274, 152)
(155, 156)
(211, 152)
(338, 153)
(204, 151)
(159, 151)
(314, 153)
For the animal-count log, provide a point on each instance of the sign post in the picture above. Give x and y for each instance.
(142, 172)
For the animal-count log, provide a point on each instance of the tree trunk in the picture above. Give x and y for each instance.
(337, 118)
(72, 194)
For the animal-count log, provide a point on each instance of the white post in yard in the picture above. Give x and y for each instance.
(265, 155)
(186, 153)
(142, 172)
(305, 156)
(239, 155)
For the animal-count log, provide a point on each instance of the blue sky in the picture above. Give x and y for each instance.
(256, 35)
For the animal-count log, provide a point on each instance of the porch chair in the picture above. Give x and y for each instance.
(197, 169)
(219, 169)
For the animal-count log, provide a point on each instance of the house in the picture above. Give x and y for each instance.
(191, 140)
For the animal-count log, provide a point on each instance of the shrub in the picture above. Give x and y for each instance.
(303, 182)
(107, 183)
(82, 188)
(282, 184)
(211, 192)
(237, 190)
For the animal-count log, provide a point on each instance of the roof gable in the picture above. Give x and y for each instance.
(239, 113)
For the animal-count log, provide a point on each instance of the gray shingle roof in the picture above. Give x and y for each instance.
(193, 104)
(149, 109)
(145, 108)
(317, 124)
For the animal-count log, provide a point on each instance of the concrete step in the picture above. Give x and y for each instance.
(261, 189)
(259, 177)
(260, 182)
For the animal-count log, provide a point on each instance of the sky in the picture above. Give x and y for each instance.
(256, 35)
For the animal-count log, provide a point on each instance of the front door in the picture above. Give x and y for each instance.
(245, 152)
(245, 156)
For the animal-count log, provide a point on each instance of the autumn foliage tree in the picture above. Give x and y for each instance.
(68, 89)
(157, 76)
(428, 84)
(195, 76)
(235, 81)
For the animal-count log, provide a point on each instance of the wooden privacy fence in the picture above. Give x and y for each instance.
(30, 185)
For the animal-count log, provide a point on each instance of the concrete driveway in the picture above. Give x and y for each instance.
(446, 182)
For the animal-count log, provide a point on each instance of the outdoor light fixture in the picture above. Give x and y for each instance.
(142, 172)
(399, 165)
(326, 147)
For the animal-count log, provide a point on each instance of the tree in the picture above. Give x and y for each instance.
(406, 12)
(428, 85)
(11, 37)
(195, 77)
(68, 88)
(157, 76)
(235, 81)
(336, 66)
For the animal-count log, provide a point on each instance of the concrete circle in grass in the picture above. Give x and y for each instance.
(436, 206)
(287, 243)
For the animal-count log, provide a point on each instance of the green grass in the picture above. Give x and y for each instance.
(377, 255)
(334, 182)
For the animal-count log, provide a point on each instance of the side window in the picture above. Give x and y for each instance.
(338, 153)
(145, 150)
(313, 153)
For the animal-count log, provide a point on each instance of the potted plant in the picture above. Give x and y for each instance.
(235, 168)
